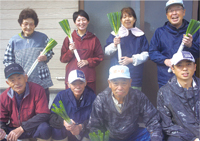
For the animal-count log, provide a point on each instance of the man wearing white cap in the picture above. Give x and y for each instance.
(167, 39)
(119, 107)
(77, 100)
(179, 100)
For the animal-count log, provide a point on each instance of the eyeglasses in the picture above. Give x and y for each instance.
(174, 9)
(26, 24)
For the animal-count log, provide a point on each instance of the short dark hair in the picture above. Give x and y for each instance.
(129, 11)
(28, 13)
(80, 13)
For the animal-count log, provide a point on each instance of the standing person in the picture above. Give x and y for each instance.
(134, 46)
(179, 100)
(88, 47)
(24, 108)
(167, 39)
(25, 48)
(119, 107)
(77, 100)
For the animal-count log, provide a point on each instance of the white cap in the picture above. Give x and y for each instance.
(76, 75)
(172, 2)
(119, 71)
(182, 55)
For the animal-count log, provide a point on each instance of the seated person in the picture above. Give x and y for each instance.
(24, 107)
(178, 100)
(119, 107)
(77, 100)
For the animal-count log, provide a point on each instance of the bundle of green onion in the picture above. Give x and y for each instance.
(50, 45)
(66, 27)
(114, 19)
(192, 28)
(62, 113)
(100, 136)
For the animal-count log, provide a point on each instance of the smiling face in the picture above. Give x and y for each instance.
(184, 71)
(17, 82)
(127, 20)
(28, 26)
(175, 14)
(120, 87)
(77, 88)
(81, 23)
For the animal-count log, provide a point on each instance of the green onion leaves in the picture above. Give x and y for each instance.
(114, 19)
(193, 27)
(100, 136)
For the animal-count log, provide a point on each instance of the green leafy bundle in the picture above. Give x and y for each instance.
(114, 20)
(193, 27)
(62, 113)
(66, 27)
(100, 136)
(50, 45)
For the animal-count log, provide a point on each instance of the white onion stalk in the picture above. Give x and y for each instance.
(75, 51)
(6, 137)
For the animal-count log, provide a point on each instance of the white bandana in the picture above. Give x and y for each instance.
(123, 32)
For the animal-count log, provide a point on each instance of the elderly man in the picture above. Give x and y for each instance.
(77, 100)
(179, 100)
(167, 39)
(23, 107)
(118, 108)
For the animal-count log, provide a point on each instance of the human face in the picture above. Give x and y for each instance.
(127, 20)
(184, 70)
(77, 88)
(81, 23)
(17, 82)
(175, 14)
(120, 87)
(28, 26)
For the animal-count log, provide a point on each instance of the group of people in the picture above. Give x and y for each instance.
(24, 112)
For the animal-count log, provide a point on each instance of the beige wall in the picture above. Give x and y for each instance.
(50, 12)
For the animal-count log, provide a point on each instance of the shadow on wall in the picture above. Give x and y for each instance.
(149, 81)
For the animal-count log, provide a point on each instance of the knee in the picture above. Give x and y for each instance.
(44, 127)
(44, 131)
(59, 134)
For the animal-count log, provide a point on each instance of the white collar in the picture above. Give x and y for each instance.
(193, 83)
(123, 32)
(116, 101)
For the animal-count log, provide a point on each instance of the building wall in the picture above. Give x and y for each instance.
(49, 12)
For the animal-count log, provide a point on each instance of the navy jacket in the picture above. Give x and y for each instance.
(165, 43)
(78, 114)
(131, 45)
(180, 109)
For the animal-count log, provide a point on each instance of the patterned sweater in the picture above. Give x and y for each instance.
(24, 51)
